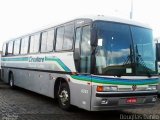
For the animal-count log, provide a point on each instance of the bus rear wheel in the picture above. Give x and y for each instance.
(64, 97)
(11, 80)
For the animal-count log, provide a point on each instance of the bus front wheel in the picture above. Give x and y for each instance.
(64, 97)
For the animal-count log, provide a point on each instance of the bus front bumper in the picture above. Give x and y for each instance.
(123, 100)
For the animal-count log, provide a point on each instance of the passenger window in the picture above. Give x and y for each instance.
(16, 47)
(4, 50)
(50, 40)
(64, 40)
(10, 48)
(68, 37)
(31, 44)
(24, 45)
(78, 38)
(47, 41)
(59, 38)
(34, 43)
(44, 42)
(77, 49)
(85, 57)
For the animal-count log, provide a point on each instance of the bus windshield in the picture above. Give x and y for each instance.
(124, 50)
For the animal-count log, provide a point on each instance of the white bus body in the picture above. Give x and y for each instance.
(87, 62)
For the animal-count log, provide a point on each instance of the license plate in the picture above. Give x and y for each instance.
(131, 100)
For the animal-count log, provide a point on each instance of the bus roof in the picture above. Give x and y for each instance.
(92, 18)
(116, 19)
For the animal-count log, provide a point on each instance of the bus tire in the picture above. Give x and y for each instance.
(64, 97)
(11, 80)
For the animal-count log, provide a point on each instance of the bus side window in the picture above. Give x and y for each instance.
(10, 48)
(24, 45)
(44, 42)
(64, 39)
(16, 47)
(34, 43)
(77, 48)
(59, 38)
(50, 40)
(47, 41)
(4, 50)
(85, 56)
(68, 37)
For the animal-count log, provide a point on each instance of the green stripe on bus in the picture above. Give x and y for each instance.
(15, 59)
(85, 77)
(114, 81)
(65, 68)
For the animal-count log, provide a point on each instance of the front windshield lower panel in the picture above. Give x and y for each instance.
(123, 50)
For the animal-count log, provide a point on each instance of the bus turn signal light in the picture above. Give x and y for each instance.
(99, 88)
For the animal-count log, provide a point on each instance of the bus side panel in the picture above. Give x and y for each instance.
(20, 77)
(4, 74)
(80, 94)
(38, 82)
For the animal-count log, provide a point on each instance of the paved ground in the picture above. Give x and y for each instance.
(20, 104)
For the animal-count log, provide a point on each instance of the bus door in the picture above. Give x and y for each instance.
(82, 56)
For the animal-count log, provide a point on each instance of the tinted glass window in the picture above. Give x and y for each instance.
(4, 50)
(16, 47)
(114, 48)
(124, 50)
(144, 50)
(78, 37)
(68, 37)
(47, 41)
(44, 42)
(31, 44)
(34, 43)
(77, 48)
(24, 45)
(59, 38)
(10, 48)
(50, 40)
(85, 50)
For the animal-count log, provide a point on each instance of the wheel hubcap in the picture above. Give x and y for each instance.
(64, 97)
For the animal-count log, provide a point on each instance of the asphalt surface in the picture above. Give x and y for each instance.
(20, 104)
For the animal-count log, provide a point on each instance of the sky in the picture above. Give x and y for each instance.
(18, 17)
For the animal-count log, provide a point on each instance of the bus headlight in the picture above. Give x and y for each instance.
(152, 87)
(107, 88)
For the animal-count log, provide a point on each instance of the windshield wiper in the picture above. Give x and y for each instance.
(139, 60)
(130, 58)
(129, 61)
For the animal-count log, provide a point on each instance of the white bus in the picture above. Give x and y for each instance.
(95, 63)
(157, 44)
